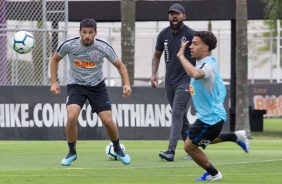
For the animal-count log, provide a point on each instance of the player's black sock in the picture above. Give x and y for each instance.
(211, 170)
(120, 152)
(72, 147)
(228, 137)
(117, 147)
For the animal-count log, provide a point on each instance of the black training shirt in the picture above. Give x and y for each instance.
(169, 42)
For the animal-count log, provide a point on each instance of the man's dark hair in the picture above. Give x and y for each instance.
(208, 38)
(88, 22)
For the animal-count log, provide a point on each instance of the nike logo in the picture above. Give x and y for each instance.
(191, 118)
(186, 89)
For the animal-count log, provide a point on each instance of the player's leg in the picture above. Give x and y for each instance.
(73, 111)
(186, 125)
(179, 96)
(184, 99)
(179, 112)
(112, 131)
(240, 137)
(180, 101)
(202, 160)
(99, 100)
(169, 154)
(201, 134)
(75, 102)
(111, 127)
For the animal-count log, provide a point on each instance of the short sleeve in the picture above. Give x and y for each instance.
(208, 69)
(111, 54)
(160, 43)
(63, 49)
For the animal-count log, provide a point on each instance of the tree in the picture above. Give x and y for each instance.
(128, 36)
(242, 105)
(273, 11)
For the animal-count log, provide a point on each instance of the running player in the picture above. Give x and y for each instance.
(208, 93)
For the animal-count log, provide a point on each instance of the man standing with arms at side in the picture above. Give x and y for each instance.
(176, 79)
(208, 93)
(86, 82)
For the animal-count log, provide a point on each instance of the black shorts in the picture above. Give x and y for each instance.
(203, 134)
(96, 95)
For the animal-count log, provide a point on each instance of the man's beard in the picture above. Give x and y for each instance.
(87, 44)
(177, 26)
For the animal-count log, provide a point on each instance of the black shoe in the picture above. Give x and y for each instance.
(167, 155)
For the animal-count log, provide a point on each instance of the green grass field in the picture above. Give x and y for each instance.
(29, 162)
(272, 128)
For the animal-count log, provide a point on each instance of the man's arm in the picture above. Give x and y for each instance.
(54, 65)
(188, 67)
(124, 77)
(155, 66)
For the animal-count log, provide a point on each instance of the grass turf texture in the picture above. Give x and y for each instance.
(31, 162)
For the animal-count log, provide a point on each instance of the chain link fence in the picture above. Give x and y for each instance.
(47, 21)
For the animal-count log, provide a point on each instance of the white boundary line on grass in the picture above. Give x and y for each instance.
(73, 168)
(227, 163)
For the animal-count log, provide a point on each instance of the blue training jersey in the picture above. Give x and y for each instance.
(208, 94)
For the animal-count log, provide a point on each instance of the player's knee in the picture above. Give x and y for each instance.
(108, 123)
(189, 147)
(72, 120)
(186, 148)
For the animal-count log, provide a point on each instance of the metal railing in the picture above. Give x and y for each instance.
(48, 22)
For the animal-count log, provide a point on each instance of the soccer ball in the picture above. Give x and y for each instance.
(111, 153)
(23, 42)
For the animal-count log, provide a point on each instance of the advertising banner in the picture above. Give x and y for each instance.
(267, 97)
(33, 113)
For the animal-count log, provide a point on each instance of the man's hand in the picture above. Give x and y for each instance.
(154, 81)
(182, 49)
(126, 91)
(55, 88)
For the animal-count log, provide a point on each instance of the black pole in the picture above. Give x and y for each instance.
(233, 76)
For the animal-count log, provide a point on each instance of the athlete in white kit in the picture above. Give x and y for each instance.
(86, 82)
